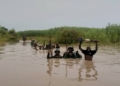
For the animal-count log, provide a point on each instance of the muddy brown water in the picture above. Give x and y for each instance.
(21, 65)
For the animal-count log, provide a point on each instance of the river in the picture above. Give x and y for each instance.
(21, 65)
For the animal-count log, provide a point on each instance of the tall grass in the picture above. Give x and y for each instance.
(108, 35)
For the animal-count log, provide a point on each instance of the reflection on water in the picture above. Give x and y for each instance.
(1, 48)
(13, 43)
(89, 70)
(69, 68)
(1, 51)
(24, 43)
(21, 65)
(50, 63)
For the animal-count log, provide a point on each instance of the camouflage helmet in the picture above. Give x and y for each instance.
(70, 48)
(57, 50)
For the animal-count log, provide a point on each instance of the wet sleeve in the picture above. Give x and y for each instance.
(78, 55)
(94, 51)
(65, 55)
(84, 51)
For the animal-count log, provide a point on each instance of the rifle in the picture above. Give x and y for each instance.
(50, 46)
(66, 44)
(87, 40)
(44, 44)
(50, 43)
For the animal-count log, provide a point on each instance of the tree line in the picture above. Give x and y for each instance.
(107, 35)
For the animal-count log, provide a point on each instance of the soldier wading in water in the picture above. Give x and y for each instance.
(57, 54)
(88, 53)
(71, 54)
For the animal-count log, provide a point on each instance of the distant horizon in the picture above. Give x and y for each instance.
(55, 27)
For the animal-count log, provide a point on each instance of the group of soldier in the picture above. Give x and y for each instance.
(70, 53)
(44, 46)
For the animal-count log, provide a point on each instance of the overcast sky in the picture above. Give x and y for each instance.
(45, 14)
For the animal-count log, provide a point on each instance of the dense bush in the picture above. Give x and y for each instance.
(8, 35)
(67, 36)
(110, 34)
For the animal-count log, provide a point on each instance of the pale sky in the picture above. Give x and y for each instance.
(45, 14)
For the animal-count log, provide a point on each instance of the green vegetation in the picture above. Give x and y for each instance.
(62, 35)
(108, 35)
(7, 35)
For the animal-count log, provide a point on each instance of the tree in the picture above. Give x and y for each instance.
(67, 35)
(2, 32)
(12, 32)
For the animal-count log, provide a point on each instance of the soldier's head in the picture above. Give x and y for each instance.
(57, 51)
(70, 49)
(88, 48)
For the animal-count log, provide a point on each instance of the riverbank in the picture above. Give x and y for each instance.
(4, 40)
